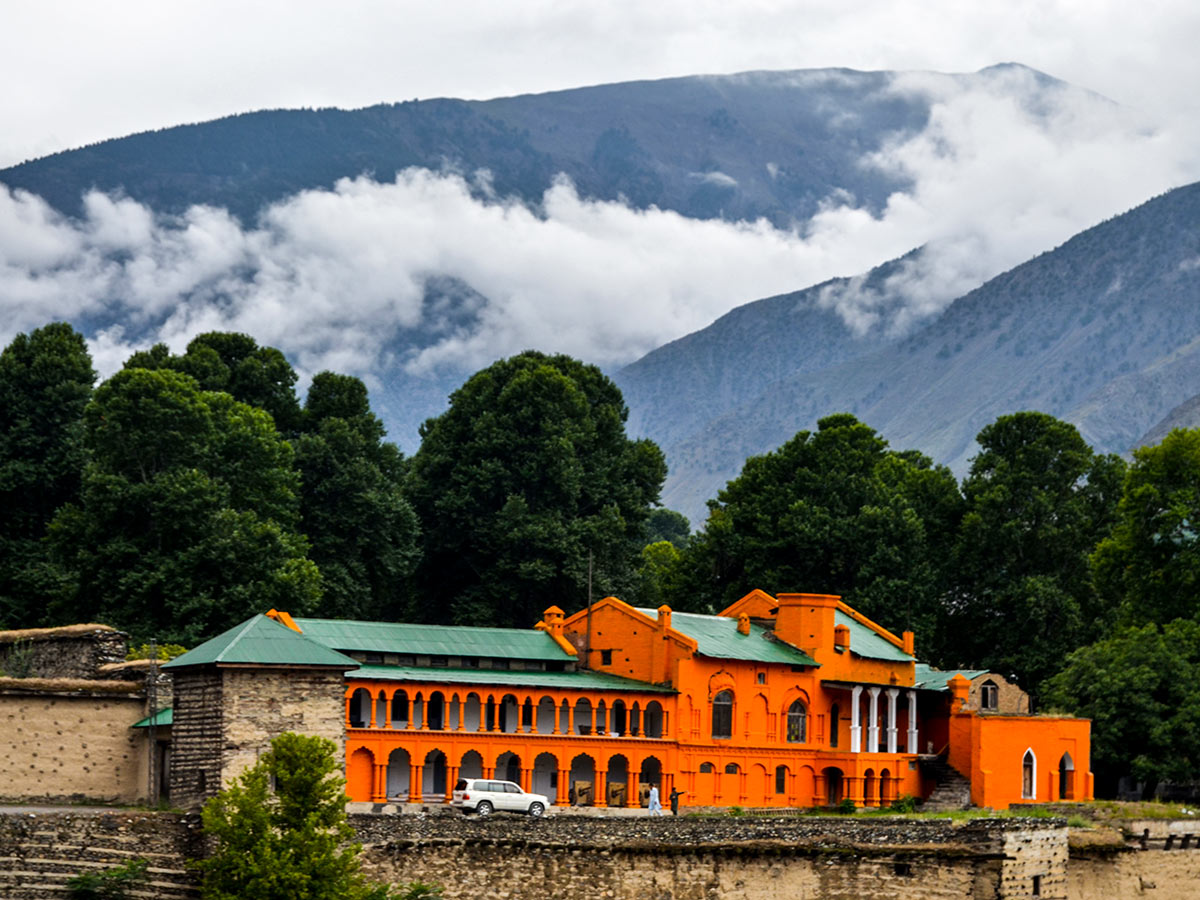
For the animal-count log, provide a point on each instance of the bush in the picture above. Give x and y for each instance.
(905, 804)
(111, 884)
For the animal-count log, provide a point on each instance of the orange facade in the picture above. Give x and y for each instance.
(789, 701)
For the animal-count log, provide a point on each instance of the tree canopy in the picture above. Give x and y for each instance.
(280, 830)
(188, 512)
(831, 511)
(527, 473)
(1037, 501)
(46, 381)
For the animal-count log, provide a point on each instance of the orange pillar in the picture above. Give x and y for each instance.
(414, 784)
(560, 792)
(600, 799)
(631, 791)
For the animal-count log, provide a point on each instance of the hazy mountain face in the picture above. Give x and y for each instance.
(1104, 331)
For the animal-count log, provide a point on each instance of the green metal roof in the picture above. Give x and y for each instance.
(599, 681)
(718, 636)
(931, 679)
(867, 643)
(435, 640)
(265, 641)
(160, 718)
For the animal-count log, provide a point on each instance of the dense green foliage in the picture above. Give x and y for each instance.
(1037, 502)
(668, 525)
(280, 831)
(45, 382)
(188, 514)
(527, 473)
(832, 511)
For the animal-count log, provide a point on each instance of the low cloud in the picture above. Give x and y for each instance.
(339, 278)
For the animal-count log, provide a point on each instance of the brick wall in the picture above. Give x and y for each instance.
(71, 746)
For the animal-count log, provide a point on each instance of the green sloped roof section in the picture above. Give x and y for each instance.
(160, 719)
(434, 640)
(718, 637)
(928, 678)
(263, 641)
(584, 681)
(868, 643)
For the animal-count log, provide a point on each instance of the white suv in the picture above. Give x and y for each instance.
(484, 796)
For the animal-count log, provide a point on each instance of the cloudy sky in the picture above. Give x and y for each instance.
(991, 185)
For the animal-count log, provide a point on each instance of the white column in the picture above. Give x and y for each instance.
(855, 722)
(873, 721)
(892, 692)
(912, 722)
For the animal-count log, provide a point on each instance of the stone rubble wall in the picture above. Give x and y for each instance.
(68, 652)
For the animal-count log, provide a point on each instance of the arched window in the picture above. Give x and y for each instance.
(797, 723)
(722, 715)
(706, 768)
(989, 696)
(781, 774)
(731, 769)
(833, 725)
(1066, 778)
(1029, 776)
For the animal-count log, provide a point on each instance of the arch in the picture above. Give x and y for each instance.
(489, 713)
(399, 770)
(418, 710)
(722, 715)
(650, 773)
(797, 723)
(433, 774)
(757, 789)
(471, 765)
(583, 780)
(545, 775)
(601, 718)
(886, 796)
(833, 725)
(360, 774)
(1029, 775)
(1066, 777)
(473, 713)
(652, 720)
(806, 784)
(781, 781)
(360, 708)
(617, 780)
(583, 716)
(508, 767)
(706, 785)
(527, 714)
(400, 709)
(544, 719)
(635, 719)
(509, 713)
(732, 769)
(707, 767)
(381, 709)
(870, 788)
(435, 711)
(618, 718)
(834, 785)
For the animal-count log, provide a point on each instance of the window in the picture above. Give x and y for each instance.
(1028, 776)
(499, 663)
(731, 769)
(781, 773)
(706, 768)
(722, 715)
(797, 723)
(439, 662)
(989, 696)
(833, 725)
(1037, 886)
(606, 657)
(762, 677)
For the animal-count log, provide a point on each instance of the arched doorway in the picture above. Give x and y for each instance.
(617, 781)
(398, 772)
(545, 775)
(508, 767)
(471, 765)
(360, 773)
(1066, 778)
(433, 782)
(435, 711)
(870, 787)
(834, 790)
(583, 780)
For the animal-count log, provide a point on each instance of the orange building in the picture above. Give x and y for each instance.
(791, 701)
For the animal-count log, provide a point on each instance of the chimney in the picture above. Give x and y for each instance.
(743, 624)
(552, 618)
(664, 618)
(806, 621)
(959, 689)
(841, 638)
(910, 646)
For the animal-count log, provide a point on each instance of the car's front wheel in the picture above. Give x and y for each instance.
(484, 809)
(536, 810)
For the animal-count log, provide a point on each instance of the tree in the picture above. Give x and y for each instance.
(668, 525)
(1137, 688)
(1037, 501)
(188, 513)
(1150, 565)
(831, 511)
(280, 830)
(527, 473)
(235, 364)
(46, 380)
(363, 532)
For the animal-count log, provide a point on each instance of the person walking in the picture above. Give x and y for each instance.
(675, 795)
(654, 804)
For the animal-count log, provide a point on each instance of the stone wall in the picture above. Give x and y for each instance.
(71, 745)
(197, 738)
(72, 651)
(39, 853)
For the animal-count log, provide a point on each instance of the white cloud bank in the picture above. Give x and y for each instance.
(334, 278)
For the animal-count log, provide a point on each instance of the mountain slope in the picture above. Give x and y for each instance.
(1078, 332)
